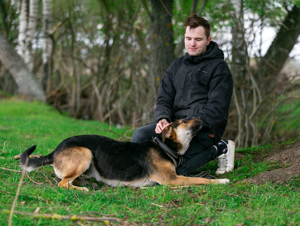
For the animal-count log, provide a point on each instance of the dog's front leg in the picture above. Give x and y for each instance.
(165, 174)
(183, 181)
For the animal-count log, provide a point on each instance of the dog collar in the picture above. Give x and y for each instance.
(167, 150)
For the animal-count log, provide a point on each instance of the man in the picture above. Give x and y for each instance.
(196, 84)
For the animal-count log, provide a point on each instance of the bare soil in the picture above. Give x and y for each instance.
(288, 157)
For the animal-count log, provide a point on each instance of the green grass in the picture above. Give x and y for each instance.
(24, 124)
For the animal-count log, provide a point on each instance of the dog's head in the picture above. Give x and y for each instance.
(179, 134)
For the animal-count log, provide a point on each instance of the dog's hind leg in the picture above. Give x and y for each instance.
(70, 163)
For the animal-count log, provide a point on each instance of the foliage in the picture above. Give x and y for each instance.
(23, 124)
(287, 123)
(101, 57)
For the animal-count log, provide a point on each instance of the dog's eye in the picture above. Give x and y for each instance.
(184, 121)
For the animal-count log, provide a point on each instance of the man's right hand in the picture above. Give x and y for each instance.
(161, 125)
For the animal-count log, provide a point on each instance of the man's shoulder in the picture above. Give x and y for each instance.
(176, 63)
(178, 60)
(217, 62)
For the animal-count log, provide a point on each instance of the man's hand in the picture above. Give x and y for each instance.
(161, 125)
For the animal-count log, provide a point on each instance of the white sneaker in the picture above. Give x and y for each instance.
(226, 161)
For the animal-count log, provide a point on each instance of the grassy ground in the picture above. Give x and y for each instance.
(25, 124)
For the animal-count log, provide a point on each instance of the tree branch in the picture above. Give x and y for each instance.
(146, 8)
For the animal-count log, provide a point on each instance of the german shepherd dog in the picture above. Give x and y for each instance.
(121, 163)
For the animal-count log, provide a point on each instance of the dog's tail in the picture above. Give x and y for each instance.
(32, 164)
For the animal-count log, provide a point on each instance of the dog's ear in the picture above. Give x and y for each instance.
(166, 133)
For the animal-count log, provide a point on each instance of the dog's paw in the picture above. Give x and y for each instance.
(85, 189)
(223, 181)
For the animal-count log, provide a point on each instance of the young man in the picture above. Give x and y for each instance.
(196, 84)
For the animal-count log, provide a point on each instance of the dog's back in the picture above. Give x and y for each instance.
(114, 160)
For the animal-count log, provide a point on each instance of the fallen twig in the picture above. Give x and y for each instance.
(67, 217)
(93, 212)
(17, 171)
(46, 178)
(157, 205)
(17, 194)
(32, 179)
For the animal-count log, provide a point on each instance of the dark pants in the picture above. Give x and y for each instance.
(200, 152)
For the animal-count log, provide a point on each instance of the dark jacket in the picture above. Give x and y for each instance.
(197, 86)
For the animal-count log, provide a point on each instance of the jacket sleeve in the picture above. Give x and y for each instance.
(220, 91)
(166, 94)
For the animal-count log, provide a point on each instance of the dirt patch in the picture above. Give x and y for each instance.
(3, 96)
(289, 157)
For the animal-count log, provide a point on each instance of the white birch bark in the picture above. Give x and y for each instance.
(27, 85)
(22, 29)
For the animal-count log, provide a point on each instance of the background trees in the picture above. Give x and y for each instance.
(104, 59)
(26, 83)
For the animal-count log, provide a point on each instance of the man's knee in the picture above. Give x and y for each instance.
(183, 169)
(137, 137)
(143, 133)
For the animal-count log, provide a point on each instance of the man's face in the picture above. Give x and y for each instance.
(195, 40)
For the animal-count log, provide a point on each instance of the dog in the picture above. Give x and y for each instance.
(122, 163)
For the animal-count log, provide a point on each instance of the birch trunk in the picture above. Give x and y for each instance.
(12, 61)
(22, 29)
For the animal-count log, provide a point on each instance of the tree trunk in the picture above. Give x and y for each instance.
(27, 85)
(22, 29)
(238, 69)
(162, 44)
(47, 42)
(3, 14)
(239, 53)
(282, 45)
(27, 27)
(33, 12)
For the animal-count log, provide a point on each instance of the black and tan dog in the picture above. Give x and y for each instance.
(121, 163)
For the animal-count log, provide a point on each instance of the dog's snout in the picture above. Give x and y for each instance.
(198, 119)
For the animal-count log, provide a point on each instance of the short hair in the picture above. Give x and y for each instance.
(197, 21)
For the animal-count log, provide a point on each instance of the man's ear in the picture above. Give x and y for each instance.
(166, 133)
(208, 41)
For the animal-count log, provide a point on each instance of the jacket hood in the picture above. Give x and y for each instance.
(212, 52)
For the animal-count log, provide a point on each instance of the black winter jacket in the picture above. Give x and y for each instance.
(197, 86)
